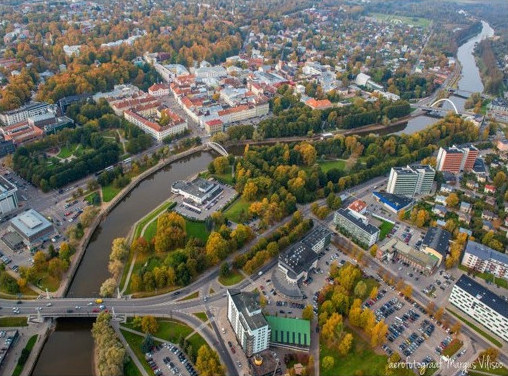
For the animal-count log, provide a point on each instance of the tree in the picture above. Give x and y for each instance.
(224, 269)
(220, 164)
(499, 179)
(88, 215)
(431, 306)
(250, 191)
(140, 245)
(56, 267)
(360, 289)
(373, 250)
(149, 324)
(452, 200)
(439, 314)
(119, 249)
(456, 328)
(147, 344)
(407, 291)
(308, 313)
(332, 329)
(328, 362)
(108, 287)
(373, 293)
(208, 363)
(345, 344)
(216, 248)
(401, 215)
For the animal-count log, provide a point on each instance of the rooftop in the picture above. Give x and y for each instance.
(289, 331)
(486, 296)
(248, 304)
(485, 253)
(197, 187)
(438, 239)
(297, 259)
(30, 223)
(6, 186)
(317, 234)
(346, 213)
(397, 202)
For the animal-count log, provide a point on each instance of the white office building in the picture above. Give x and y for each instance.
(198, 190)
(8, 196)
(23, 113)
(356, 225)
(481, 304)
(249, 324)
(411, 180)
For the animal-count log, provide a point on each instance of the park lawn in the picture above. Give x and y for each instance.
(415, 21)
(234, 211)
(109, 192)
(92, 197)
(197, 341)
(171, 330)
(226, 177)
(66, 152)
(360, 360)
(29, 346)
(326, 166)
(233, 278)
(201, 315)
(196, 230)
(135, 341)
(371, 283)
(147, 218)
(477, 329)
(385, 229)
(13, 321)
(194, 295)
(150, 231)
(130, 369)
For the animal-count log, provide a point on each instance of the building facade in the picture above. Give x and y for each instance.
(32, 227)
(356, 225)
(248, 322)
(8, 196)
(411, 180)
(485, 259)
(456, 159)
(23, 113)
(198, 190)
(481, 304)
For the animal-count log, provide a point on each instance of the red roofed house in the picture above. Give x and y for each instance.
(21, 132)
(176, 124)
(159, 90)
(322, 104)
(214, 126)
(489, 189)
(358, 206)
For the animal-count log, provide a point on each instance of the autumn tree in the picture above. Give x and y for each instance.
(108, 288)
(140, 245)
(110, 354)
(439, 314)
(308, 313)
(452, 200)
(407, 291)
(345, 344)
(220, 164)
(171, 232)
(149, 324)
(328, 362)
(216, 248)
(332, 329)
(208, 363)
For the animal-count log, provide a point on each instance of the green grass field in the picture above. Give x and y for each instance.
(130, 369)
(150, 231)
(29, 346)
(134, 342)
(109, 192)
(477, 329)
(147, 218)
(66, 152)
(92, 197)
(196, 230)
(328, 165)
(235, 209)
(201, 315)
(171, 330)
(415, 21)
(361, 360)
(233, 278)
(226, 177)
(385, 229)
(13, 321)
(197, 341)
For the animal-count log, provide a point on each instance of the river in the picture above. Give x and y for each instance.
(68, 351)
(58, 357)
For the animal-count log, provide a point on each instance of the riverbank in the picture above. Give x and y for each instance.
(106, 208)
(48, 328)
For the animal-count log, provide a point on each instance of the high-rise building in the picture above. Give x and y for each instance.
(456, 159)
(357, 226)
(248, 322)
(411, 180)
(485, 259)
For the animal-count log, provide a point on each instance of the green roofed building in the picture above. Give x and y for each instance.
(287, 332)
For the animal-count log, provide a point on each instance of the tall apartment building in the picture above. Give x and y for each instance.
(249, 324)
(411, 180)
(456, 159)
(23, 113)
(484, 259)
(357, 226)
(481, 304)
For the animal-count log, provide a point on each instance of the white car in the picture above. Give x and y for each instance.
(49, 304)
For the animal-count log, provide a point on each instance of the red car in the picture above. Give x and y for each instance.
(96, 310)
(233, 349)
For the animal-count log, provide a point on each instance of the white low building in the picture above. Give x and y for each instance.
(198, 190)
(481, 304)
(248, 322)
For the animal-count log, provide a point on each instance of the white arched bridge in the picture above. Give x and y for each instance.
(445, 100)
(217, 147)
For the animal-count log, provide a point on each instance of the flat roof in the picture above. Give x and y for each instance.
(484, 295)
(197, 187)
(317, 234)
(30, 223)
(6, 186)
(346, 213)
(297, 259)
(248, 304)
(289, 331)
(397, 202)
(438, 239)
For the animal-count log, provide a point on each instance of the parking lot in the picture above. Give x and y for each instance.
(168, 359)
